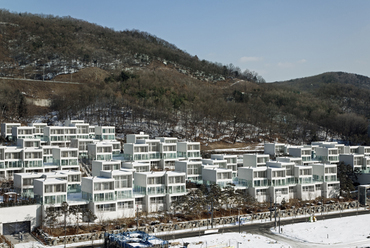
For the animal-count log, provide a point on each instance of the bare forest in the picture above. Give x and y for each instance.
(139, 82)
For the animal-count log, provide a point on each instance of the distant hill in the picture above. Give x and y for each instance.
(350, 92)
(43, 46)
(314, 83)
(139, 82)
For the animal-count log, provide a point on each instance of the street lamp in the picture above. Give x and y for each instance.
(65, 210)
(239, 218)
(277, 194)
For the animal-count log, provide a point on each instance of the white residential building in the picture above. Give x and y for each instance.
(193, 170)
(188, 150)
(6, 130)
(154, 191)
(275, 149)
(231, 162)
(214, 175)
(255, 160)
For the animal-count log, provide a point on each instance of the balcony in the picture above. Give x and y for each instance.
(240, 182)
(32, 164)
(156, 190)
(332, 178)
(126, 194)
(260, 183)
(99, 197)
(176, 190)
(305, 180)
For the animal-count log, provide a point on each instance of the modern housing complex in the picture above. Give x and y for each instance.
(147, 174)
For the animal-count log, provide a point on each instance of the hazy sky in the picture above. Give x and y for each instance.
(280, 40)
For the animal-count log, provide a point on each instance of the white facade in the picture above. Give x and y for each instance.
(99, 165)
(121, 185)
(6, 129)
(193, 170)
(154, 191)
(255, 160)
(275, 149)
(214, 175)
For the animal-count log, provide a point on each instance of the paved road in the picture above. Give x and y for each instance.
(34, 80)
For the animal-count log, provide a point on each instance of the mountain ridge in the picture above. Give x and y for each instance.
(357, 80)
(137, 78)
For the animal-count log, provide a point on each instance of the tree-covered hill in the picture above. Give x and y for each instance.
(37, 46)
(137, 81)
(314, 83)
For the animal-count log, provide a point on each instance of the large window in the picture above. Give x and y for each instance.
(109, 196)
(259, 174)
(155, 180)
(156, 190)
(54, 199)
(73, 178)
(27, 181)
(103, 186)
(177, 179)
(125, 205)
(122, 182)
(55, 188)
(308, 188)
(124, 194)
(106, 207)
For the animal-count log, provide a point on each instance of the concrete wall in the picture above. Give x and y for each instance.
(30, 213)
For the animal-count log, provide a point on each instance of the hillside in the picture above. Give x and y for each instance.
(43, 46)
(139, 82)
(350, 92)
(314, 83)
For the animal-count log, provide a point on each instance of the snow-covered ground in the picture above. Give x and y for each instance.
(229, 240)
(349, 231)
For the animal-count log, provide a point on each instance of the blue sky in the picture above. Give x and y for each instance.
(280, 40)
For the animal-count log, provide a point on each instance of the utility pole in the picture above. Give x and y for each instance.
(270, 209)
(239, 219)
(65, 210)
(279, 224)
(212, 215)
(137, 217)
(275, 214)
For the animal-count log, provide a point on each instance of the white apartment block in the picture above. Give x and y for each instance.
(136, 166)
(215, 175)
(23, 182)
(66, 158)
(100, 151)
(231, 162)
(161, 152)
(50, 191)
(193, 170)
(110, 195)
(82, 145)
(38, 131)
(275, 149)
(106, 165)
(188, 150)
(105, 133)
(327, 154)
(255, 160)
(305, 153)
(155, 191)
(6, 130)
(22, 132)
(327, 174)
(141, 179)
